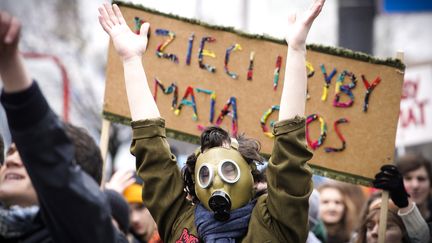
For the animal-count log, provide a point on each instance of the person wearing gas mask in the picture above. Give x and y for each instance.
(220, 180)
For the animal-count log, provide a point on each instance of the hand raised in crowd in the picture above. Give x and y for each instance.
(9, 35)
(299, 26)
(127, 44)
(12, 71)
(391, 180)
(121, 180)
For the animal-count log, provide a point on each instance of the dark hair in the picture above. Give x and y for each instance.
(87, 153)
(119, 209)
(216, 137)
(410, 162)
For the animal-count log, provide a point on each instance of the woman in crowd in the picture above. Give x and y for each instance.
(337, 212)
(416, 172)
(368, 231)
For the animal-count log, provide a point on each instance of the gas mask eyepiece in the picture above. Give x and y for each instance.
(220, 203)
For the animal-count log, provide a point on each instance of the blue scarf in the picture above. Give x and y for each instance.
(16, 221)
(214, 231)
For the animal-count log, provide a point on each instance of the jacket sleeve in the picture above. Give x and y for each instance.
(72, 206)
(416, 226)
(289, 180)
(163, 191)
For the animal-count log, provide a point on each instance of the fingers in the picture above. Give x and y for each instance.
(314, 11)
(111, 15)
(122, 175)
(13, 32)
(389, 168)
(316, 7)
(144, 29)
(381, 185)
(9, 28)
(129, 182)
(104, 24)
(382, 182)
(119, 15)
(382, 175)
(5, 19)
(292, 18)
(104, 16)
(120, 180)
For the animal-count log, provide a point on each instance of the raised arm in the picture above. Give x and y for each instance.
(48, 154)
(12, 70)
(294, 91)
(130, 47)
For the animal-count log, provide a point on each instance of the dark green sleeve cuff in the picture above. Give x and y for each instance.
(148, 128)
(286, 126)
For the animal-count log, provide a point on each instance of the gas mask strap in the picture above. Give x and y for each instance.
(197, 151)
(234, 144)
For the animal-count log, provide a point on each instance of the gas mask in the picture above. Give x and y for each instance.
(223, 180)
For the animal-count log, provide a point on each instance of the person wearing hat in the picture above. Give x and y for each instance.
(143, 226)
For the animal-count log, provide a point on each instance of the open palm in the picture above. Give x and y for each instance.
(126, 43)
(299, 26)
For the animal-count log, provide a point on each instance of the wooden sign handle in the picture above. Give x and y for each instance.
(383, 217)
(103, 145)
(385, 194)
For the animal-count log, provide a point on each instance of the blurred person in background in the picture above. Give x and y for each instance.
(119, 210)
(368, 231)
(44, 167)
(417, 177)
(317, 232)
(337, 211)
(142, 225)
(391, 180)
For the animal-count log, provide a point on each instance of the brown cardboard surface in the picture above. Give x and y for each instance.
(369, 136)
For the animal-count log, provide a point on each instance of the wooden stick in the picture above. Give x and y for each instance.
(401, 150)
(103, 145)
(383, 217)
(385, 194)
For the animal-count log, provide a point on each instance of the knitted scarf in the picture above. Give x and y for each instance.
(214, 231)
(16, 221)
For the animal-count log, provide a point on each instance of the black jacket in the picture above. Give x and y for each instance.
(72, 207)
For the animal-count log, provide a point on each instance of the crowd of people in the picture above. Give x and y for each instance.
(51, 187)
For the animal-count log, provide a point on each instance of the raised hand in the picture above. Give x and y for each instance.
(121, 180)
(127, 44)
(13, 73)
(294, 91)
(9, 36)
(391, 180)
(299, 26)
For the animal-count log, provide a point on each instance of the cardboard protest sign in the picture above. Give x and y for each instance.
(204, 75)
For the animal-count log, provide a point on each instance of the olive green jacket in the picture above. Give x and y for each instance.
(279, 216)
